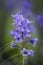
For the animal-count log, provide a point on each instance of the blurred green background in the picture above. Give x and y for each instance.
(5, 39)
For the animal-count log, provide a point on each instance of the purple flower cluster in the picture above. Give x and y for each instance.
(22, 30)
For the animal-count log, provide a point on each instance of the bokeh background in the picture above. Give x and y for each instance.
(30, 9)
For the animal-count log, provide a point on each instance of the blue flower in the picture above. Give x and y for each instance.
(11, 32)
(18, 40)
(18, 17)
(23, 29)
(30, 53)
(13, 44)
(26, 52)
(26, 34)
(19, 20)
(33, 41)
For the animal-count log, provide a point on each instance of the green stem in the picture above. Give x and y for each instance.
(23, 62)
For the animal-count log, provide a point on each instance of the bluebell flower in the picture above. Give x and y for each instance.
(22, 26)
(11, 32)
(26, 34)
(26, 52)
(17, 36)
(26, 21)
(18, 40)
(23, 29)
(19, 20)
(13, 44)
(18, 17)
(30, 53)
(33, 41)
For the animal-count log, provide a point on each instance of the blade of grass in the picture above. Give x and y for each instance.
(9, 58)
